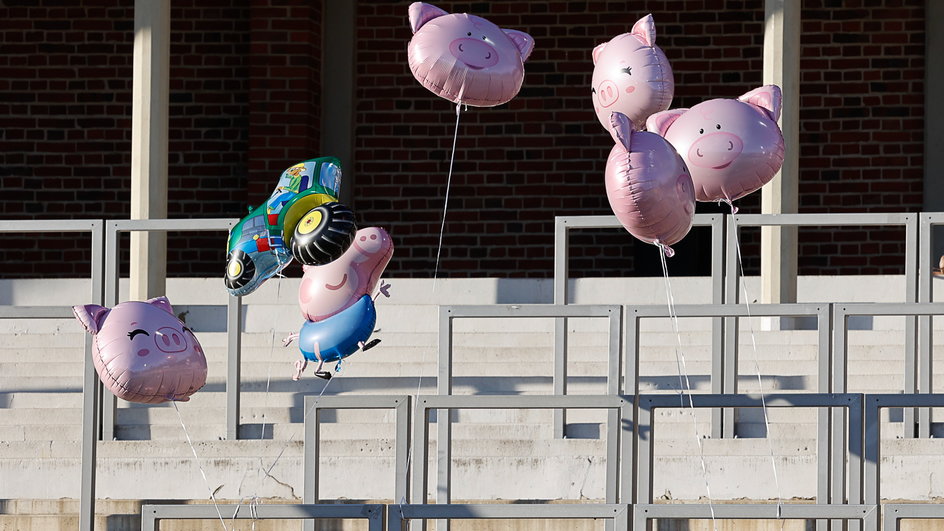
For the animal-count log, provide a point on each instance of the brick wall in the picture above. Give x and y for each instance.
(245, 103)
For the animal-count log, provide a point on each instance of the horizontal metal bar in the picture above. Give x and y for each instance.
(610, 222)
(768, 511)
(521, 402)
(510, 511)
(355, 401)
(726, 310)
(263, 511)
(904, 400)
(532, 310)
(188, 224)
(898, 511)
(892, 308)
(36, 312)
(652, 401)
(821, 219)
(43, 225)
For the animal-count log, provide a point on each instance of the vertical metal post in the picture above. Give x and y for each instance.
(311, 452)
(90, 394)
(855, 449)
(644, 448)
(911, 322)
(614, 416)
(631, 374)
(234, 311)
(402, 488)
(730, 360)
(824, 414)
(717, 323)
(109, 402)
(444, 416)
(925, 330)
(873, 445)
(627, 469)
(837, 454)
(421, 453)
(559, 381)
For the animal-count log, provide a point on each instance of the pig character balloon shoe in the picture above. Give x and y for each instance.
(464, 58)
(336, 300)
(732, 147)
(143, 352)
(632, 76)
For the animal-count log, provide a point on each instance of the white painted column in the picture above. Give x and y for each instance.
(149, 111)
(782, 68)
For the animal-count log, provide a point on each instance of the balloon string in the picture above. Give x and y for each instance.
(442, 228)
(199, 465)
(683, 375)
(760, 383)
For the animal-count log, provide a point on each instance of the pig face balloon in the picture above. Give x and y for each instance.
(648, 186)
(732, 147)
(142, 352)
(631, 76)
(464, 58)
(328, 289)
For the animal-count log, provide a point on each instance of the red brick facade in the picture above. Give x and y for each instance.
(246, 102)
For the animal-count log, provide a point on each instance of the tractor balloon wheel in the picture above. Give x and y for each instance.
(323, 234)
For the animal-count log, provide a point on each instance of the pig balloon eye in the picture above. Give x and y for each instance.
(593, 90)
(627, 70)
(701, 131)
(469, 34)
(717, 126)
(484, 38)
(137, 331)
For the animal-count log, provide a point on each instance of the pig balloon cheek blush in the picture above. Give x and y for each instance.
(464, 58)
(143, 352)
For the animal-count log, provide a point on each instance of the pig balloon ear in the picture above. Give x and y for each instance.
(659, 122)
(645, 29)
(623, 127)
(421, 13)
(91, 316)
(768, 98)
(597, 50)
(162, 303)
(522, 40)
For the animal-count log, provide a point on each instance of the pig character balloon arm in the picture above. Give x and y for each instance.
(384, 290)
(623, 127)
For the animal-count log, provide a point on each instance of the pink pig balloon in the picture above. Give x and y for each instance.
(732, 147)
(632, 76)
(142, 352)
(648, 186)
(328, 289)
(464, 58)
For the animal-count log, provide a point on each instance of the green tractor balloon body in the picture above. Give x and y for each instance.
(302, 219)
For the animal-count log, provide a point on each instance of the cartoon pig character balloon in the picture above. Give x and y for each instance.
(732, 147)
(464, 58)
(328, 289)
(632, 76)
(648, 186)
(337, 304)
(142, 352)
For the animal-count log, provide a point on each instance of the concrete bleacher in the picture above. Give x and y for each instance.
(498, 455)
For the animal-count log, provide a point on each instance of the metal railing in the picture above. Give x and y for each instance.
(562, 227)
(151, 515)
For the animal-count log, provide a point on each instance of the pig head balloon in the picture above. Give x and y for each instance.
(732, 147)
(464, 58)
(143, 352)
(648, 186)
(632, 76)
(328, 289)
